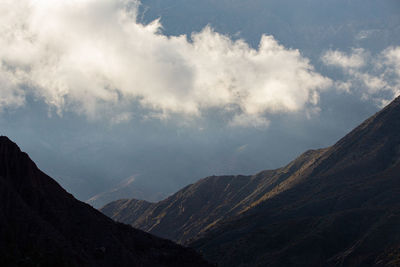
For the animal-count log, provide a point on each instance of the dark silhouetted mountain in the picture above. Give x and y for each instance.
(338, 206)
(43, 225)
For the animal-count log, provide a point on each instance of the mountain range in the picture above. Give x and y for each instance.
(197, 207)
(43, 225)
(337, 206)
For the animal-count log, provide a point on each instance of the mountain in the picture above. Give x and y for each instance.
(124, 189)
(344, 210)
(43, 225)
(338, 206)
(199, 206)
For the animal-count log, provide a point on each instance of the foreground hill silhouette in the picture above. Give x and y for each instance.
(43, 225)
(338, 206)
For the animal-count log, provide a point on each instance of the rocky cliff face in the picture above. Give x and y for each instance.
(43, 225)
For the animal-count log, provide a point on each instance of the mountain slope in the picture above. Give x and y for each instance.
(199, 206)
(333, 206)
(126, 188)
(345, 210)
(43, 225)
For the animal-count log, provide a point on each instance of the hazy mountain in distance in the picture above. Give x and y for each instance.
(334, 206)
(125, 189)
(43, 225)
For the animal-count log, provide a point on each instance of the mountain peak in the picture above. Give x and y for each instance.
(343, 211)
(8, 146)
(43, 225)
(333, 206)
(370, 148)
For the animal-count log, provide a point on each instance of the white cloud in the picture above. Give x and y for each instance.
(376, 78)
(391, 58)
(343, 86)
(90, 54)
(337, 58)
(249, 120)
(10, 92)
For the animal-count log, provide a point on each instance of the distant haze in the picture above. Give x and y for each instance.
(106, 95)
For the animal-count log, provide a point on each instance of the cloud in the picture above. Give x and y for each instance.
(93, 57)
(244, 120)
(372, 77)
(391, 58)
(10, 92)
(337, 58)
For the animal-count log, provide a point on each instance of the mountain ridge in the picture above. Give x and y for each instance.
(333, 206)
(346, 212)
(213, 197)
(42, 224)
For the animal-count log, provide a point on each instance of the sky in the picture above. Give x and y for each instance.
(121, 98)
